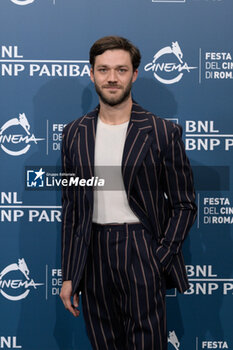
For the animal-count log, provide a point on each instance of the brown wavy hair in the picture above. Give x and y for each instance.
(114, 43)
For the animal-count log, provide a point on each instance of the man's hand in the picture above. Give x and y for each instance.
(65, 295)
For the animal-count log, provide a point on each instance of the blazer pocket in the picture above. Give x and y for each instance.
(159, 267)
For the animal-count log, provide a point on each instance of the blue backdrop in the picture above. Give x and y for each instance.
(185, 75)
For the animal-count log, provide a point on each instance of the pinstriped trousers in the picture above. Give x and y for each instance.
(123, 295)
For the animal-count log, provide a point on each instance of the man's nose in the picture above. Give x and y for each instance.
(112, 76)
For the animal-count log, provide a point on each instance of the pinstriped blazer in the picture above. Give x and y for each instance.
(158, 181)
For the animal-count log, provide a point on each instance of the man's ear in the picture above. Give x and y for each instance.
(92, 74)
(135, 75)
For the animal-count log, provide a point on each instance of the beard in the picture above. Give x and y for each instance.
(113, 100)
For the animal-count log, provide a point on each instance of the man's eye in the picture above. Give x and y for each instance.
(102, 70)
(122, 70)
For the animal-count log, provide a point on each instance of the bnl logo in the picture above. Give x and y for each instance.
(35, 178)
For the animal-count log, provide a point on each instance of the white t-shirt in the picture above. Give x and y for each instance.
(111, 205)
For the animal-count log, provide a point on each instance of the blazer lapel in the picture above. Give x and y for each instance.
(137, 143)
(86, 148)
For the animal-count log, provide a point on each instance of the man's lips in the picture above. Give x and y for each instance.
(112, 87)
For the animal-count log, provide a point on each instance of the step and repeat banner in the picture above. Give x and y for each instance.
(186, 75)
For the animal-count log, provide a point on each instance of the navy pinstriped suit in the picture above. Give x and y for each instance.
(159, 185)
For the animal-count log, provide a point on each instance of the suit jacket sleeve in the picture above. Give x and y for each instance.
(179, 188)
(68, 210)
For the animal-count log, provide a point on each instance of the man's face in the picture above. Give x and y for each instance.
(113, 76)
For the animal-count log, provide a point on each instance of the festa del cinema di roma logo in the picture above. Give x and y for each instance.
(19, 143)
(173, 340)
(165, 69)
(22, 2)
(21, 287)
(173, 343)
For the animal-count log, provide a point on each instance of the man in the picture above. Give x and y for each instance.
(122, 248)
